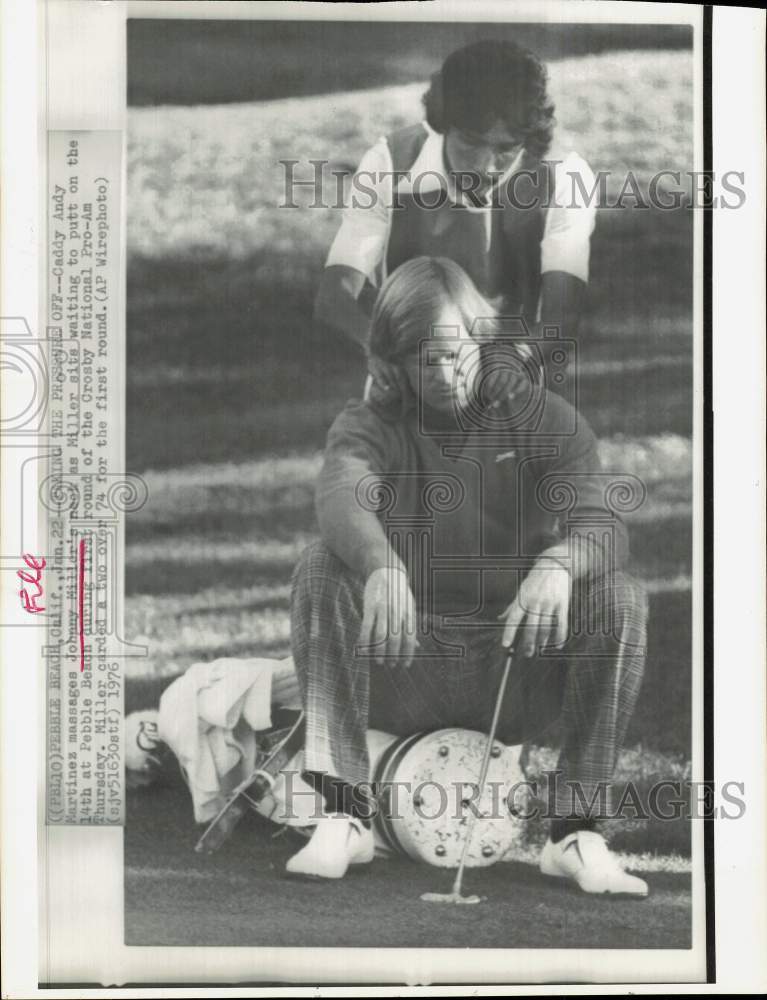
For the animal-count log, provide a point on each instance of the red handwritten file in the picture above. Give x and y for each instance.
(32, 579)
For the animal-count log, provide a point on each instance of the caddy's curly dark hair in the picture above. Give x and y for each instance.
(492, 80)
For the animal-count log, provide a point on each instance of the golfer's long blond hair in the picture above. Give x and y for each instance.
(410, 303)
(412, 299)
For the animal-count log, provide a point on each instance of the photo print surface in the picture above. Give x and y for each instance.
(410, 383)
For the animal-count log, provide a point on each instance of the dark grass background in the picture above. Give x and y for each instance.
(215, 62)
(226, 369)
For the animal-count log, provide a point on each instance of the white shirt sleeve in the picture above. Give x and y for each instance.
(570, 220)
(364, 232)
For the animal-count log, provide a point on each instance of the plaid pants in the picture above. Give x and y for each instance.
(591, 684)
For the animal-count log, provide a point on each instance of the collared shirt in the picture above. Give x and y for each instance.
(362, 238)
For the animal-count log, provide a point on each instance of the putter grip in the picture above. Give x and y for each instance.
(259, 788)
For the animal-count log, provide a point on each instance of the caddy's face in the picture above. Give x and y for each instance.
(445, 373)
(483, 153)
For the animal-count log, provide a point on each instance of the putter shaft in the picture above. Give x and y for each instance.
(483, 770)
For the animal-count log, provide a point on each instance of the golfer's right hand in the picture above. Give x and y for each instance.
(388, 631)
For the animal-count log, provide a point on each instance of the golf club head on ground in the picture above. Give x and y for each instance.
(451, 897)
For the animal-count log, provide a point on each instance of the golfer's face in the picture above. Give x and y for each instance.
(447, 367)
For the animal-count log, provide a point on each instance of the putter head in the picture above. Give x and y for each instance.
(450, 897)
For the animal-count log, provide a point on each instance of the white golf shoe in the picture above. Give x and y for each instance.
(337, 842)
(584, 858)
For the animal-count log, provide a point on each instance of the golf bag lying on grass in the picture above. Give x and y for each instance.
(236, 729)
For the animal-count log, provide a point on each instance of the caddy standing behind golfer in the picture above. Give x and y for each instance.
(442, 473)
(477, 181)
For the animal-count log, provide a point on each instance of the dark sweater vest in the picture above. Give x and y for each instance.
(504, 259)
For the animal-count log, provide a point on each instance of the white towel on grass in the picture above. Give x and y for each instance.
(209, 717)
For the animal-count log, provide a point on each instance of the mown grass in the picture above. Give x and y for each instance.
(207, 182)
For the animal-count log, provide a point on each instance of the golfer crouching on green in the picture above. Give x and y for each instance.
(446, 540)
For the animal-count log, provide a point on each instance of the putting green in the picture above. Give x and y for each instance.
(241, 896)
